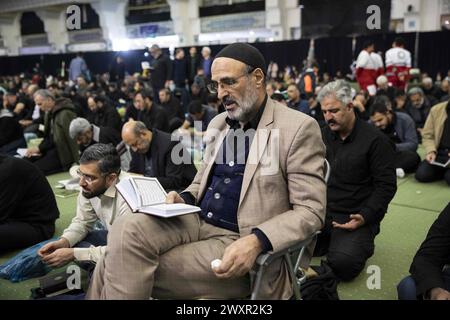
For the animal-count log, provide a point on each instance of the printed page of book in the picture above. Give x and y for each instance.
(150, 191)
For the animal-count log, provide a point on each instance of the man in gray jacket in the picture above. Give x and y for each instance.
(401, 130)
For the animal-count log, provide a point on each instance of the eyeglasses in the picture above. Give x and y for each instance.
(89, 179)
(225, 83)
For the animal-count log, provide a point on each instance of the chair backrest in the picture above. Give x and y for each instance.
(327, 171)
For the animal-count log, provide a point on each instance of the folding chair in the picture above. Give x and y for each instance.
(292, 256)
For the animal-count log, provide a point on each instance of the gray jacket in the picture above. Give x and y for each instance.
(406, 131)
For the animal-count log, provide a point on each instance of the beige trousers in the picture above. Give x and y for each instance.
(151, 257)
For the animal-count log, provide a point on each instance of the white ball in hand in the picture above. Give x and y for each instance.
(215, 263)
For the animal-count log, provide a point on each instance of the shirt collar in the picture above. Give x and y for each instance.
(253, 123)
(96, 133)
(111, 191)
(350, 137)
(151, 146)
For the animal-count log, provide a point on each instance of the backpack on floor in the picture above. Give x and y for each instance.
(321, 287)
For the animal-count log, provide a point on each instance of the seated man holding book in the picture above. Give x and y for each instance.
(152, 156)
(436, 141)
(99, 173)
(260, 188)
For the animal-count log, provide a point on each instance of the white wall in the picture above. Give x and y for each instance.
(428, 16)
(10, 31)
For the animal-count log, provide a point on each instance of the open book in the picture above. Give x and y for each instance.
(440, 164)
(22, 152)
(146, 195)
(69, 184)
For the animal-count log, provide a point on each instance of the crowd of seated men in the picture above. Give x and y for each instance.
(111, 128)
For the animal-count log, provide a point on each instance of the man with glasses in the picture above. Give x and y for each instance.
(99, 173)
(260, 187)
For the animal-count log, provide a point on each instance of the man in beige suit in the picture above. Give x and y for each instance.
(260, 188)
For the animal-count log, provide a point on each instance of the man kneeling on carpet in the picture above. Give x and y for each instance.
(99, 173)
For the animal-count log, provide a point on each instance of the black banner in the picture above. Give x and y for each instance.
(325, 18)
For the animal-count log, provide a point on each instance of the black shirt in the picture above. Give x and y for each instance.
(390, 130)
(433, 255)
(155, 118)
(25, 194)
(161, 70)
(172, 108)
(107, 116)
(363, 178)
(10, 129)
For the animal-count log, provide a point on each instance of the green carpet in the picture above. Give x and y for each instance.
(409, 217)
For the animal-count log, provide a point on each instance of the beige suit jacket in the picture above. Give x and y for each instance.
(283, 191)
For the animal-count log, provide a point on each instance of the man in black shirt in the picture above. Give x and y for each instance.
(150, 113)
(27, 205)
(151, 156)
(161, 70)
(103, 114)
(11, 133)
(172, 108)
(361, 184)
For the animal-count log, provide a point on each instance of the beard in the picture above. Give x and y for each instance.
(419, 104)
(246, 106)
(95, 193)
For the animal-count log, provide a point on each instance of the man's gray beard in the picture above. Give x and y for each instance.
(247, 107)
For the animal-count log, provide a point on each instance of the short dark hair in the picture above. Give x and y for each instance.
(145, 93)
(383, 99)
(195, 107)
(368, 43)
(100, 98)
(166, 90)
(106, 155)
(400, 93)
(277, 96)
(379, 107)
(399, 42)
(10, 93)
